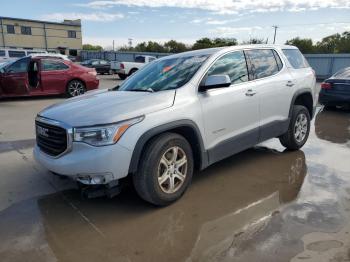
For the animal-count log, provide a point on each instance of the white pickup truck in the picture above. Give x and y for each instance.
(125, 69)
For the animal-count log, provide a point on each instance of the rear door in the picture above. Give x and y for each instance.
(231, 115)
(14, 80)
(274, 84)
(54, 75)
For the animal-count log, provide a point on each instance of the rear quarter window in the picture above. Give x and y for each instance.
(263, 62)
(295, 58)
(2, 53)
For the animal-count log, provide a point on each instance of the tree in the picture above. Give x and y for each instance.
(254, 41)
(173, 46)
(216, 42)
(305, 45)
(92, 47)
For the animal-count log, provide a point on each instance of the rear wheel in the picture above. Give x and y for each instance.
(122, 76)
(298, 130)
(132, 71)
(165, 169)
(75, 88)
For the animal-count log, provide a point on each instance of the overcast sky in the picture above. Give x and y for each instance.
(187, 20)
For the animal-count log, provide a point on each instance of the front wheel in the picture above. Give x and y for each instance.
(165, 169)
(298, 130)
(75, 88)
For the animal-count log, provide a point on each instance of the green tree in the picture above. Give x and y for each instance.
(173, 46)
(305, 45)
(92, 47)
(216, 42)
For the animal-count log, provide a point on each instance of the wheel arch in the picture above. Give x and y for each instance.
(303, 97)
(186, 128)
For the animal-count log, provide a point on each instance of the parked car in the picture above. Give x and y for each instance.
(125, 69)
(101, 66)
(50, 55)
(335, 91)
(14, 53)
(35, 76)
(180, 113)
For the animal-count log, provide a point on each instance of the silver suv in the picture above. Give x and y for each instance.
(178, 114)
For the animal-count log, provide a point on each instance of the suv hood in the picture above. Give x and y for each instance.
(103, 107)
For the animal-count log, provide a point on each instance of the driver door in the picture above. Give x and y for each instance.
(15, 78)
(231, 114)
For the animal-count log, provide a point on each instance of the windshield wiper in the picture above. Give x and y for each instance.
(114, 88)
(150, 90)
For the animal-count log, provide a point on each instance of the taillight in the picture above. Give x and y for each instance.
(122, 66)
(326, 85)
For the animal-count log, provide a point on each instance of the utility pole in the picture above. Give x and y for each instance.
(113, 45)
(130, 42)
(274, 36)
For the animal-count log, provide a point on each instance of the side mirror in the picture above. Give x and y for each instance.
(215, 81)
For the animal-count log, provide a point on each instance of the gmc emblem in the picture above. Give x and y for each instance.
(42, 131)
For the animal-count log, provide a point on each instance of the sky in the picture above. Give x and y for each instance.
(188, 20)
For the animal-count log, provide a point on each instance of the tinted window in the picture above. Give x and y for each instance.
(295, 58)
(2, 52)
(20, 66)
(35, 52)
(263, 63)
(151, 59)
(16, 53)
(344, 73)
(164, 74)
(103, 62)
(48, 65)
(10, 29)
(233, 65)
(95, 62)
(140, 59)
(26, 30)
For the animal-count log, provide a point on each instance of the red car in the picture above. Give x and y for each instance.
(35, 76)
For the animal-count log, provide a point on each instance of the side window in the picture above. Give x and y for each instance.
(140, 59)
(263, 63)
(295, 58)
(49, 65)
(233, 65)
(95, 62)
(2, 53)
(103, 62)
(10, 29)
(16, 53)
(151, 59)
(20, 66)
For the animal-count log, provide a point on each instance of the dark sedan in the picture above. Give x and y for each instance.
(101, 66)
(335, 91)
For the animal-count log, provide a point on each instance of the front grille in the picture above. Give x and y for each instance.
(51, 139)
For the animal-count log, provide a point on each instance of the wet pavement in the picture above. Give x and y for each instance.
(264, 204)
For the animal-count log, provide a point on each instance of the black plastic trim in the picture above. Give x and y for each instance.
(136, 155)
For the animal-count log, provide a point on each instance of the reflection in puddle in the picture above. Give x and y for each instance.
(221, 202)
(333, 126)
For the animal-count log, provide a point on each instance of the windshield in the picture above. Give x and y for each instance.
(164, 74)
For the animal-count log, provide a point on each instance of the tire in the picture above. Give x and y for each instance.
(132, 71)
(75, 88)
(157, 159)
(122, 76)
(298, 130)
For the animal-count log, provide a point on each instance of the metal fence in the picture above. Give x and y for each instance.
(117, 56)
(325, 65)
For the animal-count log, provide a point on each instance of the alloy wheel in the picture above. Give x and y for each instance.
(300, 128)
(172, 170)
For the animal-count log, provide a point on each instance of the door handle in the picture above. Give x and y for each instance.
(290, 84)
(250, 92)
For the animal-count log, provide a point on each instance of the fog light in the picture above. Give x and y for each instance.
(95, 179)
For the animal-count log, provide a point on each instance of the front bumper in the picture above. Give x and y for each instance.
(89, 164)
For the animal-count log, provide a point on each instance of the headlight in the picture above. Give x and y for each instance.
(104, 135)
